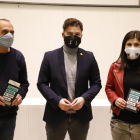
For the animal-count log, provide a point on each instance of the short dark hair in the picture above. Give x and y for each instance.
(72, 22)
(123, 55)
(5, 20)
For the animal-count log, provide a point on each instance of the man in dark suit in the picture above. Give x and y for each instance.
(63, 81)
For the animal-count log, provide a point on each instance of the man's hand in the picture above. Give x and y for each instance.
(121, 103)
(78, 103)
(2, 101)
(17, 101)
(64, 104)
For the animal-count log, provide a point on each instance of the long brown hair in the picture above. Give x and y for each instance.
(123, 55)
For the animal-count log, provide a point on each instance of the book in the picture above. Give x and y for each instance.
(132, 99)
(11, 92)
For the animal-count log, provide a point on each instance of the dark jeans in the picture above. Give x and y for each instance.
(7, 128)
(77, 130)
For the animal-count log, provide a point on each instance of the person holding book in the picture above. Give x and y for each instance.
(124, 74)
(12, 70)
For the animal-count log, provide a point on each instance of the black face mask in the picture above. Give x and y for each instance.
(72, 41)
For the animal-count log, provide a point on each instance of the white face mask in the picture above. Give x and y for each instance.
(132, 53)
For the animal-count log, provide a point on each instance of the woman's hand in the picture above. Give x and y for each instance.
(138, 106)
(121, 103)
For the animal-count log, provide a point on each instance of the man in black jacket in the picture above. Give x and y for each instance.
(63, 81)
(12, 67)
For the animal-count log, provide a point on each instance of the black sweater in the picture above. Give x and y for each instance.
(12, 67)
(131, 80)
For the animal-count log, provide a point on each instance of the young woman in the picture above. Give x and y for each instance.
(123, 75)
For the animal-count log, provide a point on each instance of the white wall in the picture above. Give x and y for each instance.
(29, 124)
(38, 29)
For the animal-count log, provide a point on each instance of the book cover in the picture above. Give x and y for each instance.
(132, 99)
(10, 92)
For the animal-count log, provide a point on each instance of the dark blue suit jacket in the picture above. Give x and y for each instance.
(53, 85)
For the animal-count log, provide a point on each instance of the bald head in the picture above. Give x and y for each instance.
(6, 27)
(5, 19)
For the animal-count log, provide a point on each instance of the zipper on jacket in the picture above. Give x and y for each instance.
(119, 86)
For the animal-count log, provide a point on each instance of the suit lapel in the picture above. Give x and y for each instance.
(61, 63)
(80, 56)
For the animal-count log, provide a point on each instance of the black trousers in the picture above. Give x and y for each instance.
(7, 128)
(77, 130)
